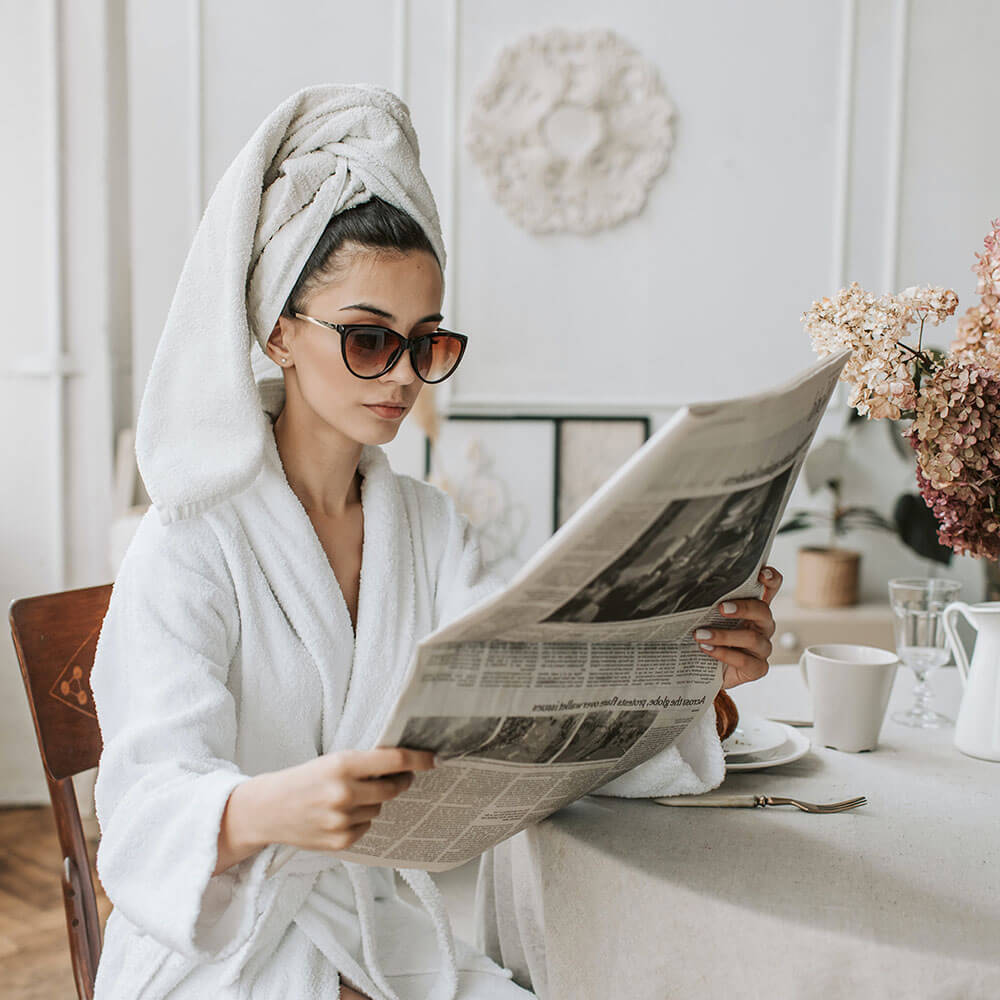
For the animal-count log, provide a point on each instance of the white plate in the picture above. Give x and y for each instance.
(795, 746)
(754, 735)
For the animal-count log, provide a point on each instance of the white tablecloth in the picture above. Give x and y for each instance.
(901, 898)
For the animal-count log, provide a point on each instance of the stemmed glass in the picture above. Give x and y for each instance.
(917, 603)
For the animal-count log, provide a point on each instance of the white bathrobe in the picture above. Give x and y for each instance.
(228, 651)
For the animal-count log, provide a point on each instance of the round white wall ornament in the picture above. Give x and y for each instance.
(570, 129)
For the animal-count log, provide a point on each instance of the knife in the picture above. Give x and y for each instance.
(731, 801)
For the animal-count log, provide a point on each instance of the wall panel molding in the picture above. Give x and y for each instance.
(845, 134)
(401, 49)
(60, 364)
(196, 96)
(896, 123)
(448, 391)
(70, 267)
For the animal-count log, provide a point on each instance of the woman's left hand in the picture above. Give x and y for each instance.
(744, 651)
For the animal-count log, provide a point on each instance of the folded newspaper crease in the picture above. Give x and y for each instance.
(583, 667)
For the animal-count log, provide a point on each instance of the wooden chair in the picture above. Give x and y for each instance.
(55, 636)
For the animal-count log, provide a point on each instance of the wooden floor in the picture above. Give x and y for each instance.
(34, 948)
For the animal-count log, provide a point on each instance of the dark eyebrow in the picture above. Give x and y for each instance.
(375, 311)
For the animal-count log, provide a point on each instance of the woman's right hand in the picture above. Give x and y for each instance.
(328, 803)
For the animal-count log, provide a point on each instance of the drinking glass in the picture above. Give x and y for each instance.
(917, 603)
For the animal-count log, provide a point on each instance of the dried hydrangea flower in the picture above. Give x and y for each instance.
(966, 528)
(978, 337)
(977, 340)
(956, 435)
(987, 264)
(954, 402)
(869, 326)
(927, 303)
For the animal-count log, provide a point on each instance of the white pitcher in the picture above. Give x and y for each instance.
(977, 730)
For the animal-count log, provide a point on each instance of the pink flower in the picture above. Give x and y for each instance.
(955, 435)
(955, 430)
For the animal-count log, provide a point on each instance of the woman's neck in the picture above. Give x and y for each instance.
(321, 470)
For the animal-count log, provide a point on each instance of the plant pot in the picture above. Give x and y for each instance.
(827, 578)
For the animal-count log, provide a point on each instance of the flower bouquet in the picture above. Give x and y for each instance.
(952, 398)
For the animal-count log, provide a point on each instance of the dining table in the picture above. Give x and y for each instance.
(900, 898)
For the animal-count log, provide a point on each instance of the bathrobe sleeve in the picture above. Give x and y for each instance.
(169, 726)
(694, 764)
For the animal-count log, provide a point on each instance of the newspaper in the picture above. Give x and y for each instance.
(584, 665)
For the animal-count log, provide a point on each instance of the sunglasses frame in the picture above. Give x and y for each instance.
(407, 344)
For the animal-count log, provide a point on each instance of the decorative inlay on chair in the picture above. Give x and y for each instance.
(72, 686)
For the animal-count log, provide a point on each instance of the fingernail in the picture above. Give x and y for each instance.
(705, 646)
(703, 633)
(767, 574)
(728, 608)
(438, 760)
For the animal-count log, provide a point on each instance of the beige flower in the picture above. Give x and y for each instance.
(927, 303)
(869, 326)
(977, 340)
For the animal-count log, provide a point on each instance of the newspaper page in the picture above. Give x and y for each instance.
(584, 666)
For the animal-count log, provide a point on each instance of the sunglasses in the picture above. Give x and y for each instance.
(371, 351)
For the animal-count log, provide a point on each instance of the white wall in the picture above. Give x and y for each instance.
(62, 299)
(816, 143)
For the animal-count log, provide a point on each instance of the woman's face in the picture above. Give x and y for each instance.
(401, 292)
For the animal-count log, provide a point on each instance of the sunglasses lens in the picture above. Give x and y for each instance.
(437, 356)
(370, 351)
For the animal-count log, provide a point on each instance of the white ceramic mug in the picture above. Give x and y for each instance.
(850, 687)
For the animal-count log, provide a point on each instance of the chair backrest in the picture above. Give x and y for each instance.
(55, 636)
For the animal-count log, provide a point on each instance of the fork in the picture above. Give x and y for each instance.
(812, 807)
(751, 801)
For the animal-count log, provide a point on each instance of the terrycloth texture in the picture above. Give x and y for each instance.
(227, 650)
(694, 764)
(200, 433)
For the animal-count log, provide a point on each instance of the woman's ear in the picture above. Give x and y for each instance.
(277, 345)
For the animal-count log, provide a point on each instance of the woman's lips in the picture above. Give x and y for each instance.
(386, 412)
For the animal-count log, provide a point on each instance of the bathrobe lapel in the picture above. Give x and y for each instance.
(387, 607)
(360, 674)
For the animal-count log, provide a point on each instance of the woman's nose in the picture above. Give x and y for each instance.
(402, 371)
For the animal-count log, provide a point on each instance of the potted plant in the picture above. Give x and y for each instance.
(827, 575)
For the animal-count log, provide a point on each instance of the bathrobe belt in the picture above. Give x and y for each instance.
(312, 863)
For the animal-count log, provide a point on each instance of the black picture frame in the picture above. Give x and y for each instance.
(559, 424)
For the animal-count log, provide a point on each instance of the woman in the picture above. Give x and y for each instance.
(268, 606)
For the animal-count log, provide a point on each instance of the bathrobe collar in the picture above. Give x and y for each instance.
(355, 702)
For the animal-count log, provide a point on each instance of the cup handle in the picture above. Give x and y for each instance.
(961, 657)
(802, 670)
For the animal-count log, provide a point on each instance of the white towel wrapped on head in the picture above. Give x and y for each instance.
(200, 435)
